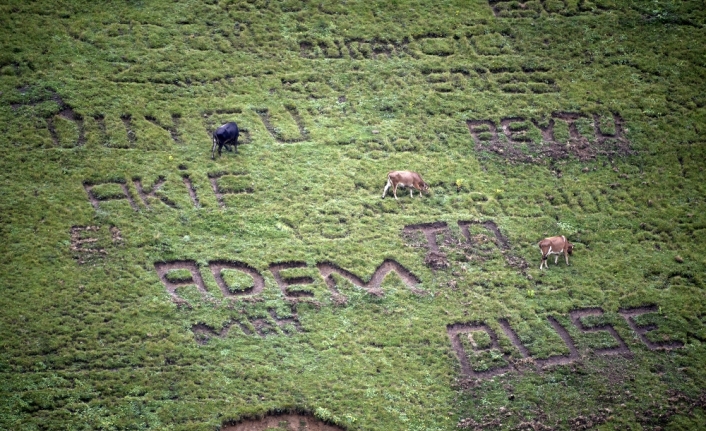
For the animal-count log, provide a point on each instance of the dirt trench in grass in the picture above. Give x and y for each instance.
(289, 422)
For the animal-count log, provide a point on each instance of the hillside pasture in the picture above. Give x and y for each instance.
(146, 286)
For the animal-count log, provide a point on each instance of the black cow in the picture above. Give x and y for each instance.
(226, 135)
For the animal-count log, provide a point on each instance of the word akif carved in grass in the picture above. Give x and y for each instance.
(467, 348)
(149, 195)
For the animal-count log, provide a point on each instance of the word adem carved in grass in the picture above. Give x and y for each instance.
(326, 269)
(466, 347)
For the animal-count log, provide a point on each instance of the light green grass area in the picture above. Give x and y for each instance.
(145, 286)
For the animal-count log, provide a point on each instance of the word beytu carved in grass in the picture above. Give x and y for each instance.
(145, 194)
(534, 9)
(466, 346)
(530, 140)
(188, 273)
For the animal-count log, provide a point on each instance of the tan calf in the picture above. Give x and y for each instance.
(555, 245)
(405, 179)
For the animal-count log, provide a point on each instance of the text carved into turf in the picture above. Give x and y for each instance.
(493, 356)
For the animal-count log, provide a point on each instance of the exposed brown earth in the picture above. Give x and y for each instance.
(288, 422)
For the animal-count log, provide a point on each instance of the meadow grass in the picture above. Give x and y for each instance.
(576, 118)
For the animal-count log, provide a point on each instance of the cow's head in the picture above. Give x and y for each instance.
(569, 248)
(424, 187)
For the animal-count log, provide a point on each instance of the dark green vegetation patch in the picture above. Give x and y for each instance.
(146, 286)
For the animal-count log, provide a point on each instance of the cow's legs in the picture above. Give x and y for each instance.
(394, 191)
(411, 192)
(387, 186)
(556, 259)
(232, 143)
(545, 257)
(566, 256)
(213, 149)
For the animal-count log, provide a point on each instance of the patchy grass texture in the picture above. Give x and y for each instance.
(145, 286)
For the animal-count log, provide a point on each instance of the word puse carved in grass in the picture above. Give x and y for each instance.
(490, 358)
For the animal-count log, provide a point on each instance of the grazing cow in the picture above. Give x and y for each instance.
(405, 179)
(555, 245)
(226, 135)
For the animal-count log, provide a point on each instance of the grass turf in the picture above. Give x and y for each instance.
(581, 118)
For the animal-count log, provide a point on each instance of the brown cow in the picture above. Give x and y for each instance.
(555, 245)
(405, 179)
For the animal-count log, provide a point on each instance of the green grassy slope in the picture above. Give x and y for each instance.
(577, 118)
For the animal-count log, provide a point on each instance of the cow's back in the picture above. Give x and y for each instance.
(227, 132)
(406, 178)
(556, 243)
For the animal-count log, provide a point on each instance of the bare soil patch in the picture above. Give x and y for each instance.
(435, 258)
(457, 330)
(287, 421)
